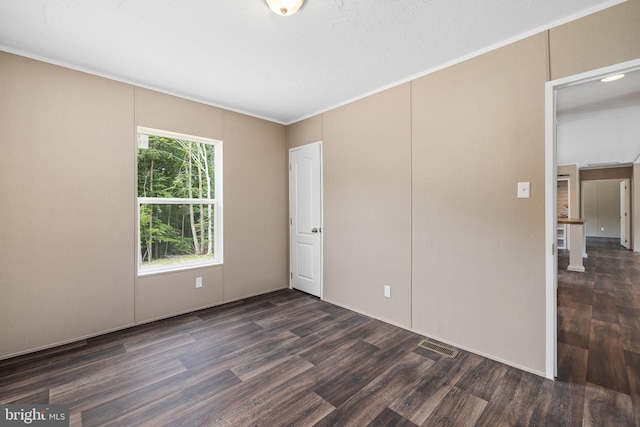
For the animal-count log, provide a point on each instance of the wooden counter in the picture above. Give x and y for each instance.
(570, 221)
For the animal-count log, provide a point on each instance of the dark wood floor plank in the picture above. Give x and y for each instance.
(261, 350)
(99, 387)
(306, 409)
(604, 307)
(40, 397)
(214, 334)
(607, 366)
(141, 405)
(218, 345)
(46, 368)
(383, 334)
(632, 359)
(161, 344)
(457, 408)
(558, 404)
(263, 343)
(514, 399)
(363, 406)
(324, 338)
(238, 400)
(319, 352)
(603, 284)
(627, 298)
(352, 356)
(153, 330)
(7, 366)
(341, 388)
(605, 407)
(574, 327)
(320, 324)
(287, 323)
(483, 380)
(325, 370)
(634, 387)
(418, 403)
(572, 364)
(389, 418)
(581, 295)
(303, 383)
(630, 328)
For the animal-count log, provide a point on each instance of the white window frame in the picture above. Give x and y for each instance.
(216, 202)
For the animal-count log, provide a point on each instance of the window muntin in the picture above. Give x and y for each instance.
(179, 201)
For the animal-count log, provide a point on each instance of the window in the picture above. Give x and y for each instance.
(179, 201)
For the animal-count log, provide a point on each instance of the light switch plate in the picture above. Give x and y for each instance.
(524, 190)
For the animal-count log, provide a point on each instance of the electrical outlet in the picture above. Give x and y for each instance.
(387, 291)
(524, 190)
(198, 282)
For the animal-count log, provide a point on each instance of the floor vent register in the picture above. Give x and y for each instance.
(442, 349)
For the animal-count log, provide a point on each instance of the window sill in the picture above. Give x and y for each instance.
(176, 269)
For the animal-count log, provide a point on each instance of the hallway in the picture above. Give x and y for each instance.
(599, 325)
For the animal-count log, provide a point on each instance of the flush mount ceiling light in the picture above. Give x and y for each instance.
(612, 78)
(285, 7)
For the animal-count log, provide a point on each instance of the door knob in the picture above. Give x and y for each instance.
(314, 230)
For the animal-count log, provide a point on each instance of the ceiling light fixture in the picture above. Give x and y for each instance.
(612, 78)
(285, 7)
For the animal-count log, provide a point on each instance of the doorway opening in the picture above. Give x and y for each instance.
(556, 155)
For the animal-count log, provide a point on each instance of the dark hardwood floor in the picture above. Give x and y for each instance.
(599, 331)
(287, 358)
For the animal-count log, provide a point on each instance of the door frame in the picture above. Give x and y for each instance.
(628, 213)
(551, 265)
(321, 272)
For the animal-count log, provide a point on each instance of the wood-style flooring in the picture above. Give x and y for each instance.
(599, 330)
(287, 358)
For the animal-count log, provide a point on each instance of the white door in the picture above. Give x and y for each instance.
(305, 209)
(625, 218)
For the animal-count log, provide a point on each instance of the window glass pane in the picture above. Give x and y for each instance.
(175, 234)
(175, 168)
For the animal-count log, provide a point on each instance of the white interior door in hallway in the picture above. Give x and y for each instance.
(305, 223)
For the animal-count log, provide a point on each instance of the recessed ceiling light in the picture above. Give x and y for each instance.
(612, 78)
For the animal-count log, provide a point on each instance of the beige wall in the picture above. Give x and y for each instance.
(67, 265)
(68, 253)
(256, 211)
(607, 173)
(478, 251)
(160, 111)
(305, 132)
(595, 41)
(367, 205)
(166, 294)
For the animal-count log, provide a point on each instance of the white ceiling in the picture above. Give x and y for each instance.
(241, 56)
(598, 124)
